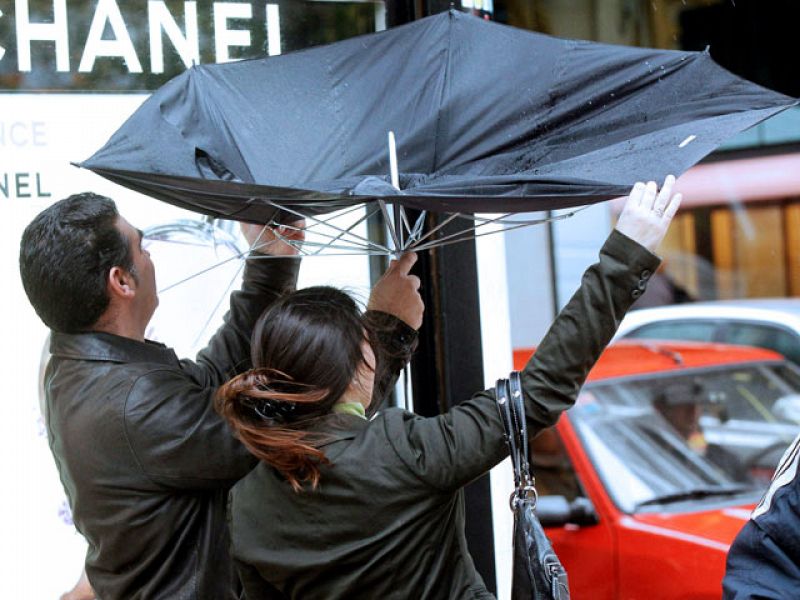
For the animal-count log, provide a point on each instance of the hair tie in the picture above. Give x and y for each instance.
(271, 410)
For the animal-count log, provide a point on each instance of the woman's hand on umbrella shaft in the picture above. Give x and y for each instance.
(648, 212)
(397, 292)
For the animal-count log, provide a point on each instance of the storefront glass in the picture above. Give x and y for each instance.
(70, 74)
(736, 237)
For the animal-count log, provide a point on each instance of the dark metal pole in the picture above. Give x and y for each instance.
(448, 366)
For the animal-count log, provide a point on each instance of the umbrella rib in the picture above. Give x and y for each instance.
(219, 302)
(354, 252)
(502, 219)
(348, 244)
(312, 218)
(413, 232)
(366, 216)
(341, 237)
(333, 216)
(203, 271)
(296, 245)
(240, 255)
(366, 241)
(418, 226)
(307, 242)
(327, 222)
(300, 246)
(372, 249)
(434, 230)
(347, 231)
(474, 228)
(392, 231)
(166, 240)
(404, 218)
(353, 248)
(323, 245)
(446, 241)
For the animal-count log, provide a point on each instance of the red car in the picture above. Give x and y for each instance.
(633, 500)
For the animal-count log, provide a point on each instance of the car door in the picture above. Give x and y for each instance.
(587, 551)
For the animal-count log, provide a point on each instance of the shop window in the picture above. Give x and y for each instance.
(306, 24)
(749, 251)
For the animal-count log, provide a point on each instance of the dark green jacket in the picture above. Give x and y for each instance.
(387, 520)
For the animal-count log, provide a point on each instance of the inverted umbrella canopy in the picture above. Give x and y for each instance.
(488, 118)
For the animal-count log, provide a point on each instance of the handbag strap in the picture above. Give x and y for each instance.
(518, 409)
(511, 405)
(503, 398)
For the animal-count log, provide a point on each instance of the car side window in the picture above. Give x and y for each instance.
(697, 331)
(552, 467)
(764, 336)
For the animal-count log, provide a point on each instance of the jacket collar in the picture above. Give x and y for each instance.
(109, 347)
(338, 426)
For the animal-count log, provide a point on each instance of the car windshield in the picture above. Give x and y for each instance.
(656, 439)
(765, 392)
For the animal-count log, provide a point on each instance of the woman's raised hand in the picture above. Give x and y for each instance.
(648, 212)
(397, 292)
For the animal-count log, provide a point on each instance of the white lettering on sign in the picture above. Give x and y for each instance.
(162, 23)
(224, 38)
(22, 133)
(273, 30)
(19, 185)
(107, 11)
(28, 32)
(187, 46)
(2, 50)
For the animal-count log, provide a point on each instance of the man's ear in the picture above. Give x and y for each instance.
(121, 283)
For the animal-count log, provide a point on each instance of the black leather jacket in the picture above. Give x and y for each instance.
(145, 461)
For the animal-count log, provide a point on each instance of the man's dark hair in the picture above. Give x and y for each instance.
(65, 256)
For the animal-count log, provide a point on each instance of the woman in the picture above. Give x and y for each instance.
(345, 507)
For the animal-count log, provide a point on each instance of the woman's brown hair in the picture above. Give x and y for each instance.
(306, 349)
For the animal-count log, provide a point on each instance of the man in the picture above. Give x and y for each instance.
(764, 559)
(145, 461)
(682, 405)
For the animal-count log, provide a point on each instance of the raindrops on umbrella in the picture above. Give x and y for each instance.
(303, 136)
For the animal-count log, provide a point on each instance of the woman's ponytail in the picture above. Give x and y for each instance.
(266, 411)
(306, 350)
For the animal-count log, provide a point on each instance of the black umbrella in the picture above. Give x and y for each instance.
(488, 118)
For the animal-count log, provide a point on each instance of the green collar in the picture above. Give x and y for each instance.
(350, 408)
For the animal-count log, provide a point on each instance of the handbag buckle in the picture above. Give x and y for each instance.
(523, 492)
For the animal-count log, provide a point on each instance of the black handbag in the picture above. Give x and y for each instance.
(537, 572)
